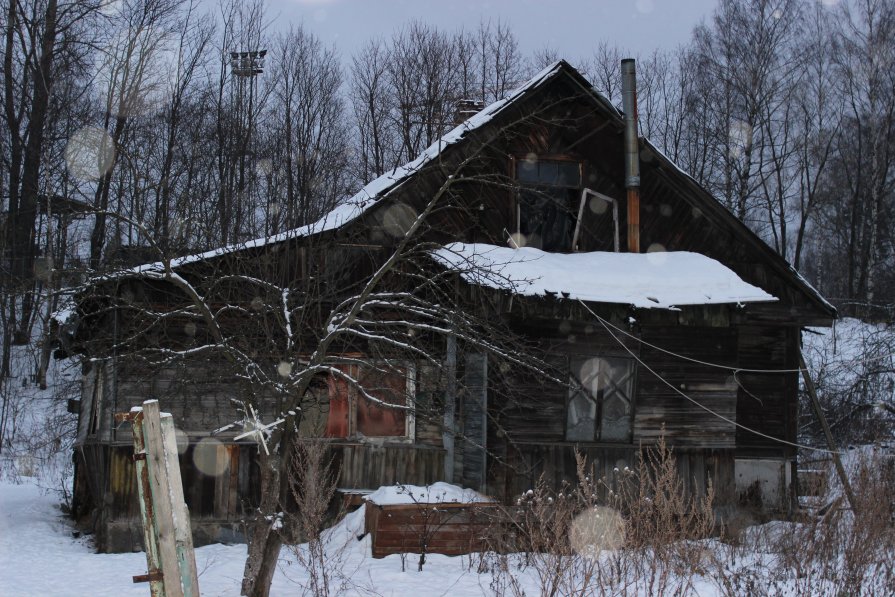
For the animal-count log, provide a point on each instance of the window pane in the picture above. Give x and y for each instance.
(547, 172)
(561, 173)
(601, 387)
(581, 419)
(615, 422)
(568, 174)
(527, 171)
(545, 218)
(374, 419)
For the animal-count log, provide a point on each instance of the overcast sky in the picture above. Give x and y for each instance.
(571, 27)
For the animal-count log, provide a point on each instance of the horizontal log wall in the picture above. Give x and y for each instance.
(369, 466)
(556, 463)
(660, 409)
(767, 402)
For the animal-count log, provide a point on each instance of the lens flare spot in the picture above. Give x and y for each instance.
(89, 153)
(518, 240)
(596, 530)
(208, 458)
(597, 205)
(398, 219)
(182, 440)
(284, 369)
(656, 254)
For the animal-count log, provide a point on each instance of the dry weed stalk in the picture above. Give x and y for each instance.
(632, 534)
(312, 482)
(833, 551)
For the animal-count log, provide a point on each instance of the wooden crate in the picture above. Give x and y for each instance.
(451, 528)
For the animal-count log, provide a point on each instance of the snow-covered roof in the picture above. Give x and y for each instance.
(352, 208)
(437, 493)
(662, 280)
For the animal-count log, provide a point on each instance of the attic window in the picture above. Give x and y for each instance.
(371, 401)
(547, 202)
(601, 399)
(554, 173)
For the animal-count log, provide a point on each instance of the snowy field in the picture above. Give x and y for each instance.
(39, 556)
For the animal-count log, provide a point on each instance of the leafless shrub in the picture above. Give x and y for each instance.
(830, 551)
(845, 552)
(635, 533)
(312, 482)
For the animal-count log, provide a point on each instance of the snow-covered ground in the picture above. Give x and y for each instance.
(40, 557)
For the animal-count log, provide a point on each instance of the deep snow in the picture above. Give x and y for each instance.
(645, 280)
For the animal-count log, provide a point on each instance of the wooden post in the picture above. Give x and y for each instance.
(840, 470)
(450, 405)
(183, 535)
(166, 520)
(153, 565)
(161, 497)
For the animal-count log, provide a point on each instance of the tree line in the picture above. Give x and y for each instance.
(209, 128)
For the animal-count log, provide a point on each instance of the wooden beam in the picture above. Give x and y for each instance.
(161, 498)
(183, 534)
(840, 470)
(150, 541)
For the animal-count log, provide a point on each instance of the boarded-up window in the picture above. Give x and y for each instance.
(382, 388)
(362, 409)
(601, 399)
(339, 405)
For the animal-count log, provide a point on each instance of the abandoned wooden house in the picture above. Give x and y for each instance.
(554, 232)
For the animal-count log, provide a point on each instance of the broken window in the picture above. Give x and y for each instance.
(370, 401)
(547, 202)
(601, 399)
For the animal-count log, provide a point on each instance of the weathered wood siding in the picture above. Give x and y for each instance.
(474, 414)
(660, 409)
(221, 484)
(767, 402)
(369, 466)
(449, 529)
(526, 463)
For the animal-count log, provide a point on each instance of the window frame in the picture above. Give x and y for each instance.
(353, 397)
(576, 212)
(576, 388)
(520, 186)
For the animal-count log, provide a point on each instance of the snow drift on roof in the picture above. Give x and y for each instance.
(645, 280)
(368, 196)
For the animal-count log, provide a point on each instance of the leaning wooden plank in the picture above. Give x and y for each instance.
(831, 443)
(150, 541)
(183, 534)
(161, 497)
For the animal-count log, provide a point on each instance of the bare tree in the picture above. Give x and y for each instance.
(867, 140)
(309, 130)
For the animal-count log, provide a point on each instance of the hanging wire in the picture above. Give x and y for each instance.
(697, 403)
(729, 367)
